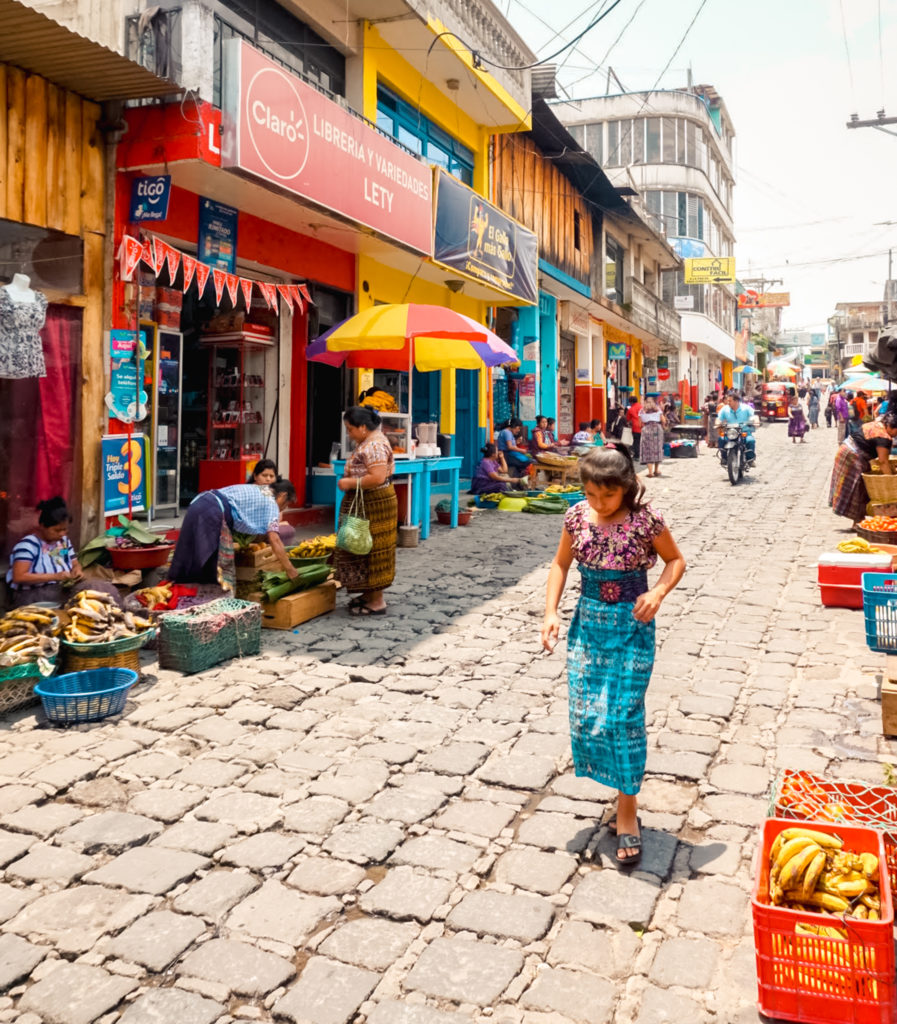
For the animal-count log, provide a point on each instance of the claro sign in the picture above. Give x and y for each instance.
(281, 130)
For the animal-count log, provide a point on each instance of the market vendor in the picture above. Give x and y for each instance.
(264, 474)
(492, 475)
(511, 446)
(205, 548)
(45, 559)
(847, 493)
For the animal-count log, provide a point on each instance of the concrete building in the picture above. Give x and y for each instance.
(672, 153)
(853, 332)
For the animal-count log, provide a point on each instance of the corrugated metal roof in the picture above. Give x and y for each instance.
(34, 42)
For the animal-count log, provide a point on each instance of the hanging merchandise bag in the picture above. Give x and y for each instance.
(354, 533)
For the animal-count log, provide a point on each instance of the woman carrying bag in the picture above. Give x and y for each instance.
(369, 495)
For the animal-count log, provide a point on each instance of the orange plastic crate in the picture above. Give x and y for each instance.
(813, 978)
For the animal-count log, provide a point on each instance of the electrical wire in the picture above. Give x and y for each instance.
(847, 52)
(881, 58)
(600, 65)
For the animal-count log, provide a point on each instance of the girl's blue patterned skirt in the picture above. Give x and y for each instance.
(610, 656)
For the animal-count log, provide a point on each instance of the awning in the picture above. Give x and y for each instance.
(32, 41)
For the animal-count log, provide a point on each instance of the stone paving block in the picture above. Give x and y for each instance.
(64, 773)
(75, 994)
(370, 942)
(582, 997)
(608, 952)
(690, 963)
(43, 820)
(681, 764)
(553, 745)
(712, 907)
(716, 858)
(210, 773)
(404, 893)
(535, 870)
(243, 810)
(14, 845)
(14, 797)
(264, 850)
(214, 895)
(660, 1006)
(324, 876)
(688, 741)
(455, 758)
(437, 853)
(202, 837)
(166, 805)
(525, 918)
(239, 967)
(405, 804)
(326, 993)
(217, 730)
(391, 753)
(110, 831)
(153, 764)
(12, 900)
(588, 809)
(658, 851)
(363, 842)
(610, 898)
(355, 782)
(556, 832)
(464, 971)
(734, 809)
(740, 778)
(392, 1012)
(152, 870)
(171, 1006)
(477, 817)
(276, 912)
(46, 863)
(18, 959)
(72, 920)
(315, 816)
(518, 771)
(156, 940)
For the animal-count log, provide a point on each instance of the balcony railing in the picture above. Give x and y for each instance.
(649, 312)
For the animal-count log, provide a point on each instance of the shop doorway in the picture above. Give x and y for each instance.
(566, 384)
(467, 435)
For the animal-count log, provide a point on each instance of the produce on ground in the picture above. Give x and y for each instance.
(879, 524)
(546, 504)
(496, 497)
(857, 546)
(563, 489)
(811, 871)
(27, 634)
(275, 585)
(127, 534)
(810, 800)
(152, 597)
(247, 542)
(97, 619)
(324, 544)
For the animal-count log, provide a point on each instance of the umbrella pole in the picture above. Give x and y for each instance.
(409, 496)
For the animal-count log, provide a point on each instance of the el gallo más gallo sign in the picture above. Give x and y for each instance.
(281, 130)
(476, 239)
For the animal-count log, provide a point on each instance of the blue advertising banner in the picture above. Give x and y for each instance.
(217, 235)
(126, 399)
(149, 198)
(124, 473)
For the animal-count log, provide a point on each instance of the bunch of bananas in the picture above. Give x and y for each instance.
(810, 870)
(152, 597)
(857, 546)
(382, 401)
(324, 544)
(558, 489)
(26, 634)
(96, 619)
(497, 496)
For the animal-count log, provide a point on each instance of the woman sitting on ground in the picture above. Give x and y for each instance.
(509, 444)
(492, 474)
(540, 439)
(45, 559)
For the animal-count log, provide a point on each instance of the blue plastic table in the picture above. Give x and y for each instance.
(420, 495)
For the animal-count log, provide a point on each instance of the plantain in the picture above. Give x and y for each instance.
(869, 866)
(827, 901)
(812, 873)
(786, 852)
(792, 871)
(823, 839)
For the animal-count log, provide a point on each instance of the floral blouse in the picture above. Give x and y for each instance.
(622, 547)
(375, 451)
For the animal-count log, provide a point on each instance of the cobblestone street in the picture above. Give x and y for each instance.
(378, 821)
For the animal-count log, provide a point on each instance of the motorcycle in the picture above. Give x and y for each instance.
(733, 452)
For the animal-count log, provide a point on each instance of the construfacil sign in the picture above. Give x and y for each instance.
(282, 130)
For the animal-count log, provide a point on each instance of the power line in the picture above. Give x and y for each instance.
(600, 65)
(847, 52)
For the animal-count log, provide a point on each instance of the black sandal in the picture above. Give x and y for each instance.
(365, 610)
(611, 825)
(627, 841)
(356, 602)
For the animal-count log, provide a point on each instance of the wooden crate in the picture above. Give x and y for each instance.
(295, 609)
(888, 707)
(253, 559)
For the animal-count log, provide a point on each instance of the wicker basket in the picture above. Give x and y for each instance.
(876, 536)
(17, 685)
(198, 638)
(76, 661)
(880, 487)
(110, 647)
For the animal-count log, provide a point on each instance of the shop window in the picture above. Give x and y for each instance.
(50, 258)
(613, 270)
(613, 144)
(418, 133)
(669, 140)
(595, 141)
(652, 140)
(638, 142)
(578, 134)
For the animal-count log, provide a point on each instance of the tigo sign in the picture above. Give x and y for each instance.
(289, 134)
(149, 198)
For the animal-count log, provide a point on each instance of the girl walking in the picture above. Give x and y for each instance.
(797, 420)
(615, 539)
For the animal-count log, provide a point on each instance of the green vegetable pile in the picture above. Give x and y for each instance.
(276, 585)
(546, 506)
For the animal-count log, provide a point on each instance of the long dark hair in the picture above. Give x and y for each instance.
(53, 512)
(612, 466)
(284, 487)
(261, 466)
(488, 450)
(362, 416)
(510, 424)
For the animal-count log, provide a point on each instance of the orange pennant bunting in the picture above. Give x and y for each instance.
(232, 287)
(173, 259)
(246, 287)
(202, 277)
(129, 256)
(189, 269)
(270, 293)
(159, 248)
(220, 279)
(297, 298)
(284, 291)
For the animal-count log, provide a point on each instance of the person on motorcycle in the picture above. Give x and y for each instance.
(735, 412)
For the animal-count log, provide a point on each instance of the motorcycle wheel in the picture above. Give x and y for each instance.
(735, 466)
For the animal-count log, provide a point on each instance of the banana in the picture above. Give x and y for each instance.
(787, 851)
(827, 901)
(871, 901)
(874, 915)
(870, 866)
(823, 839)
(849, 889)
(792, 872)
(812, 873)
(96, 595)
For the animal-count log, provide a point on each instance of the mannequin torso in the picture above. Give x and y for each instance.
(20, 290)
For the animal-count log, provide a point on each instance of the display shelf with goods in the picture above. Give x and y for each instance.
(396, 421)
(236, 407)
(166, 349)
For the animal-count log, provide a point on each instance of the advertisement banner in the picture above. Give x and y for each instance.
(710, 270)
(476, 239)
(149, 198)
(124, 473)
(217, 234)
(126, 399)
(291, 135)
(750, 299)
(617, 351)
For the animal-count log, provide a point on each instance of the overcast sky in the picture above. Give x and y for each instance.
(808, 191)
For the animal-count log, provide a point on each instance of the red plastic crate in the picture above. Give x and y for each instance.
(813, 978)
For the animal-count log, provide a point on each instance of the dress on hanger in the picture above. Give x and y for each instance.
(21, 349)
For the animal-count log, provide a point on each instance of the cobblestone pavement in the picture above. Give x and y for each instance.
(378, 820)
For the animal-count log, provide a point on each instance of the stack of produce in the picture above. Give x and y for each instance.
(128, 534)
(275, 585)
(247, 542)
(97, 619)
(26, 635)
(382, 401)
(155, 597)
(879, 524)
(561, 489)
(317, 547)
(547, 504)
(810, 871)
(857, 546)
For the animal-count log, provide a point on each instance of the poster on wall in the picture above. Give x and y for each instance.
(124, 473)
(126, 399)
(526, 394)
(217, 234)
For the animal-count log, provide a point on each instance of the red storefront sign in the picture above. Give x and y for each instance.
(289, 134)
(663, 374)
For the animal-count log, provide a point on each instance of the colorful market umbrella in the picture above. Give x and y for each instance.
(398, 336)
(864, 382)
(745, 369)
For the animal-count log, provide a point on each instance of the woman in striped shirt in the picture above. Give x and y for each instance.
(40, 562)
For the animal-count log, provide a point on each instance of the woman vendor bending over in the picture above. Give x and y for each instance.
(264, 474)
(42, 561)
(205, 547)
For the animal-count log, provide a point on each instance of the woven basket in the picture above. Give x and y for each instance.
(880, 487)
(876, 536)
(17, 685)
(75, 661)
(111, 647)
(556, 461)
(198, 638)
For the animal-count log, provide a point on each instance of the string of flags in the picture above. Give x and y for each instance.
(156, 254)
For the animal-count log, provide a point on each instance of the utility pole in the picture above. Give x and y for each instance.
(879, 122)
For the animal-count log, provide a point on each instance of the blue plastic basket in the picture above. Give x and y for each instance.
(85, 696)
(880, 611)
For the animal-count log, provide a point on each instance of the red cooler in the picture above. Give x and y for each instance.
(841, 577)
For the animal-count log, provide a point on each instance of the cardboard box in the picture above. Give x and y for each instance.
(888, 707)
(295, 609)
